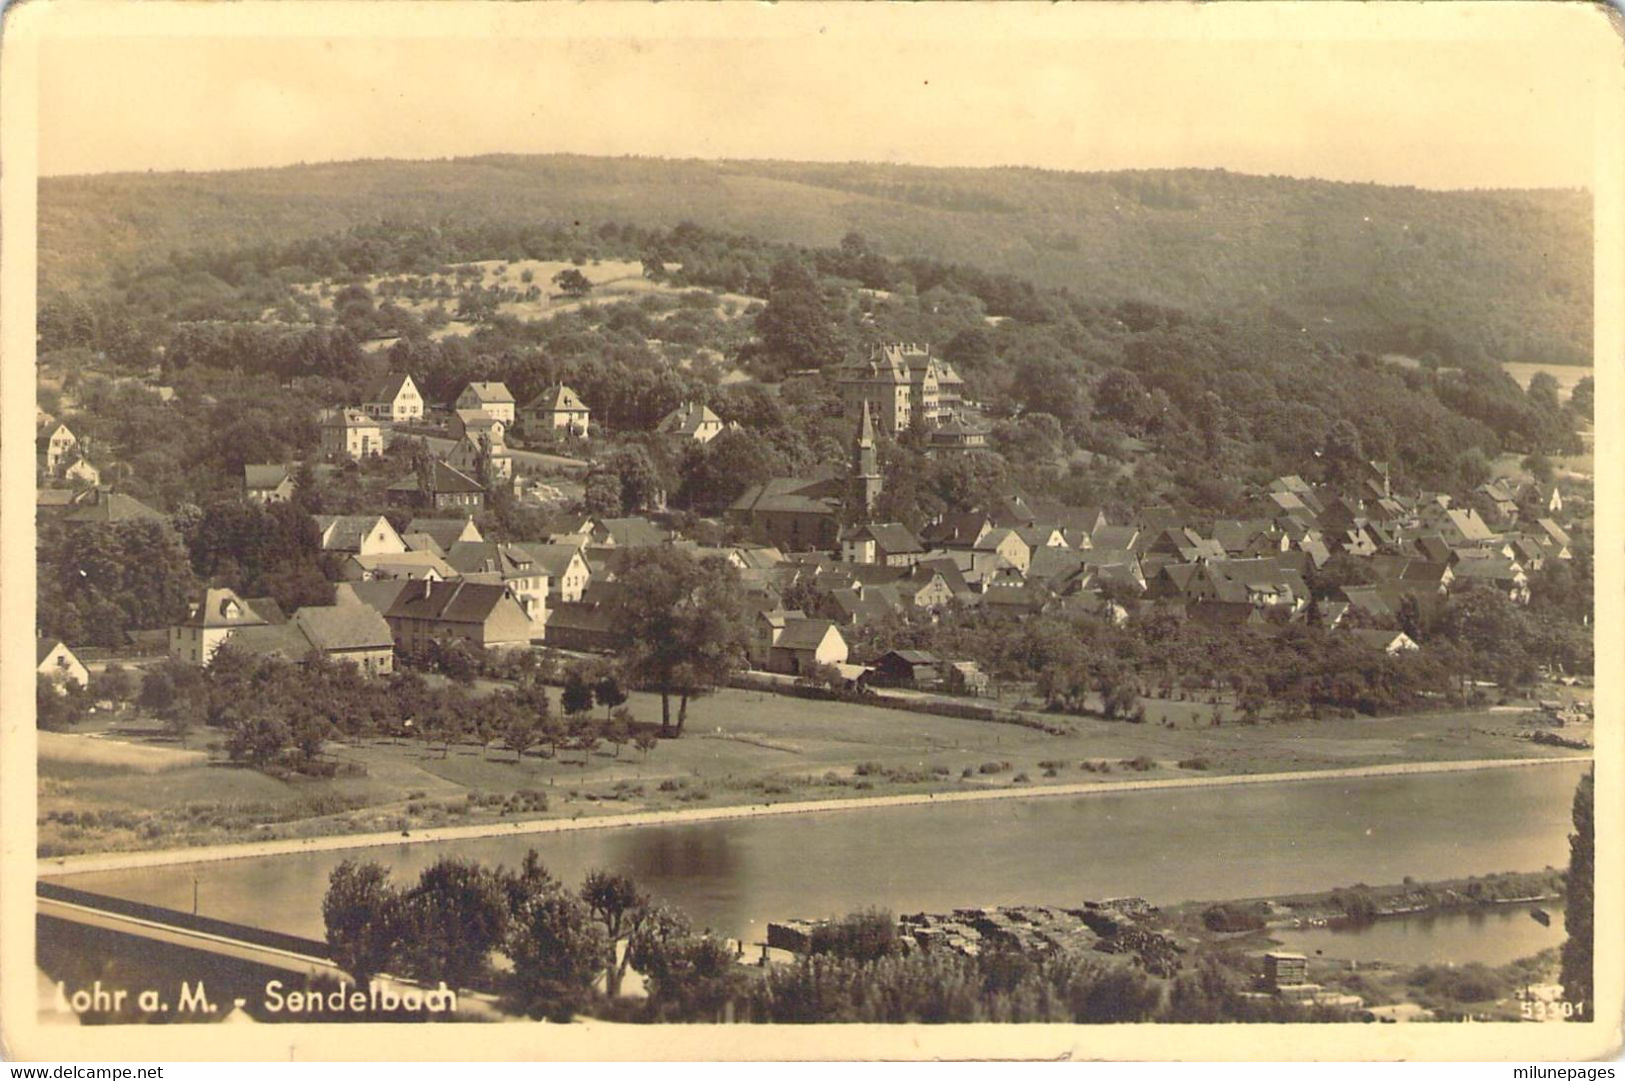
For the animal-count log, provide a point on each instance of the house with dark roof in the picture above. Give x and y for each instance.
(359, 534)
(444, 532)
(483, 614)
(267, 483)
(803, 644)
(419, 564)
(957, 530)
(394, 398)
(889, 544)
(509, 565)
(624, 533)
(792, 513)
(567, 572)
(1498, 571)
(958, 434)
(438, 487)
(95, 506)
(1391, 642)
(691, 420)
(907, 668)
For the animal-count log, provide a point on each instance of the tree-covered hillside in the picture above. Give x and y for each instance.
(1463, 275)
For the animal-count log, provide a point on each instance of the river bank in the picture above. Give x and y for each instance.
(118, 861)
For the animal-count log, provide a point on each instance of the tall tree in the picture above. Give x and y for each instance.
(361, 910)
(620, 907)
(1577, 969)
(682, 621)
(795, 326)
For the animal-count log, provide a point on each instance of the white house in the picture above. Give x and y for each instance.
(56, 662)
(691, 420)
(394, 398)
(350, 433)
(493, 398)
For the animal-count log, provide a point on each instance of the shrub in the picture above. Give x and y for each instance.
(993, 767)
(1195, 763)
(1230, 918)
(1139, 764)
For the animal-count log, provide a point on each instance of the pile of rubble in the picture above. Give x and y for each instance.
(1113, 926)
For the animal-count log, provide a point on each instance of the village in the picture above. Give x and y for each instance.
(416, 567)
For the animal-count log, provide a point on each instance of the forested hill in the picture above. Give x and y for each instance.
(1466, 275)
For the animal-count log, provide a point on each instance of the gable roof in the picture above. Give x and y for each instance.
(388, 388)
(803, 633)
(264, 477)
(688, 419)
(344, 626)
(102, 505)
(449, 602)
(219, 607)
(443, 480)
(491, 393)
(631, 532)
(892, 537)
(345, 532)
(284, 640)
(444, 531)
(349, 418)
(44, 647)
(491, 557)
(412, 564)
(379, 594)
(558, 398)
(554, 559)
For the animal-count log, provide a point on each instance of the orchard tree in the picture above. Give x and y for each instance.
(577, 696)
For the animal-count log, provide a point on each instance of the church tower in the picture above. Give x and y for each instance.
(865, 465)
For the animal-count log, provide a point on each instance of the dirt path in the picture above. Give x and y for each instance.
(118, 861)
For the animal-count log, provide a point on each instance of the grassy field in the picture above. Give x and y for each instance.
(740, 747)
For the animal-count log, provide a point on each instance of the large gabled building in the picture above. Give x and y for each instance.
(394, 398)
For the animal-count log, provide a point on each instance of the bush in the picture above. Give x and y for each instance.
(860, 936)
(1228, 918)
(1195, 763)
(1139, 764)
(993, 767)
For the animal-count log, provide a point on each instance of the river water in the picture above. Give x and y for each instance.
(1166, 846)
(1493, 936)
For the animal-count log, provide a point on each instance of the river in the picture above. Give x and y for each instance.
(1493, 936)
(1168, 846)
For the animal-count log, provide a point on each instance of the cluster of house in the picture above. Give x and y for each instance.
(59, 455)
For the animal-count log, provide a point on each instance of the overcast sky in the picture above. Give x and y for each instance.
(1475, 97)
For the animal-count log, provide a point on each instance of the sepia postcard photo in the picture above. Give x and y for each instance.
(811, 531)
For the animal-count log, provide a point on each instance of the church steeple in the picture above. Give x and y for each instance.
(866, 480)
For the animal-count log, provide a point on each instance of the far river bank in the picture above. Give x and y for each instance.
(127, 861)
